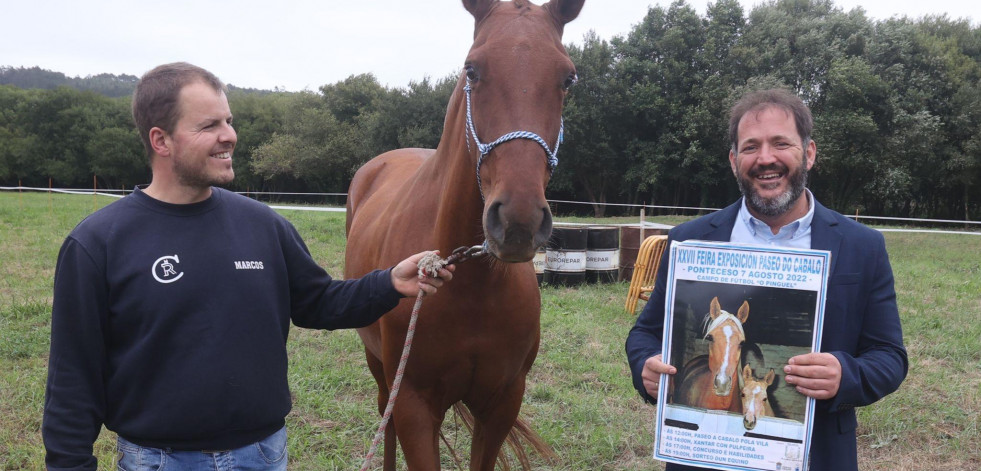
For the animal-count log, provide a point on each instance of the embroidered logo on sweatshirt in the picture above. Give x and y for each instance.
(165, 269)
(248, 265)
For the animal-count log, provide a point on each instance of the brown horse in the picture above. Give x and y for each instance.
(711, 385)
(478, 337)
(754, 397)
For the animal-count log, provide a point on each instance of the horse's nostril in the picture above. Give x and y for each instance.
(544, 231)
(493, 224)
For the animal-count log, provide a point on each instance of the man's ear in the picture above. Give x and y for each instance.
(732, 162)
(160, 142)
(811, 153)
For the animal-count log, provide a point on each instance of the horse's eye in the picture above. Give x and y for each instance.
(570, 81)
(709, 338)
(743, 395)
(471, 73)
(764, 399)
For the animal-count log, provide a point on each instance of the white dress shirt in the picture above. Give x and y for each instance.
(750, 230)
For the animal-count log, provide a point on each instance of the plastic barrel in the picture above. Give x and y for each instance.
(602, 254)
(565, 256)
(539, 262)
(630, 246)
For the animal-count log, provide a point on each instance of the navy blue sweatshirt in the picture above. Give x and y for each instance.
(169, 324)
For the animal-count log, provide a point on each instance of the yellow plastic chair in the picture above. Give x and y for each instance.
(645, 271)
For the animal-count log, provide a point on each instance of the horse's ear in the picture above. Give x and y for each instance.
(714, 307)
(748, 373)
(478, 8)
(769, 377)
(743, 313)
(564, 11)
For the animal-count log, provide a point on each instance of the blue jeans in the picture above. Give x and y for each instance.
(268, 454)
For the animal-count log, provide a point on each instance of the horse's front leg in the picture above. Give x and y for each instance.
(417, 423)
(493, 419)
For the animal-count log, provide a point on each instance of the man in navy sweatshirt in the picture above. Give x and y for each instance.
(172, 306)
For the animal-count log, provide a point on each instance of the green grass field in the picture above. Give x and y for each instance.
(579, 396)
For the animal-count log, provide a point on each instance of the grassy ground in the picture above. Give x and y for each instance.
(579, 396)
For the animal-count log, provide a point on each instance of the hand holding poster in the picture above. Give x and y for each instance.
(735, 314)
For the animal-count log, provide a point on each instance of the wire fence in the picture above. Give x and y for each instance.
(318, 204)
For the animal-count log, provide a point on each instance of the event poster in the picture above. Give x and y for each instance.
(734, 315)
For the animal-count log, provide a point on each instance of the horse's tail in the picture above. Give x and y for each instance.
(520, 435)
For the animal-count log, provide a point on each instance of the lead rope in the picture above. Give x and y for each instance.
(429, 265)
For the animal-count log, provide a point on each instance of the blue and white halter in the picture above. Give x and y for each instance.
(485, 149)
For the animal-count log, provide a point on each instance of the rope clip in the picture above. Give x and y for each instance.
(430, 264)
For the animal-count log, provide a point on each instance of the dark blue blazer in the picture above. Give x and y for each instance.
(861, 325)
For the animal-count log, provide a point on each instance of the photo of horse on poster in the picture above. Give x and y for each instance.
(727, 335)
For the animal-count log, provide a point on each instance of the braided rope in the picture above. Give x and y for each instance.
(398, 381)
(551, 159)
(429, 265)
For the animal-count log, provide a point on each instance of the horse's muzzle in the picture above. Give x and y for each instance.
(513, 236)
(722, 385)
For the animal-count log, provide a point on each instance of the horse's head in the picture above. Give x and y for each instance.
(517, 74)
(725, 333)
(754, 396)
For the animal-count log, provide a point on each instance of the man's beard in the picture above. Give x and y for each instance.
(192, 177)
(782, 203)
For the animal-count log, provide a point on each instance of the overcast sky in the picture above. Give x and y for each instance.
(303, 44)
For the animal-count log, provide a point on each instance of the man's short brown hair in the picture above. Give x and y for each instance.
(763, 99)
(156, 98)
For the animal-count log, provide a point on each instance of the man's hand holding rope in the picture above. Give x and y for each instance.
(406, 278)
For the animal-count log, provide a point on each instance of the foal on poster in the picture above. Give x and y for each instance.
(754, 397)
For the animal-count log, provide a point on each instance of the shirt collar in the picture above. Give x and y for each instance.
(758, 228)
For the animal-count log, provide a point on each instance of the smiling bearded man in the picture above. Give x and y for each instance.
(781, 203)
(862, 357)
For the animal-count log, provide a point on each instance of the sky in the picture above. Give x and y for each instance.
(302, 44)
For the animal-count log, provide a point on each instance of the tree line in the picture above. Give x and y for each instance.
(896, 102)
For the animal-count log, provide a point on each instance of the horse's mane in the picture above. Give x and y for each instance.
(709, 324)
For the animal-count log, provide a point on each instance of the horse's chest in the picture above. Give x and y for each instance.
(721, 402)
